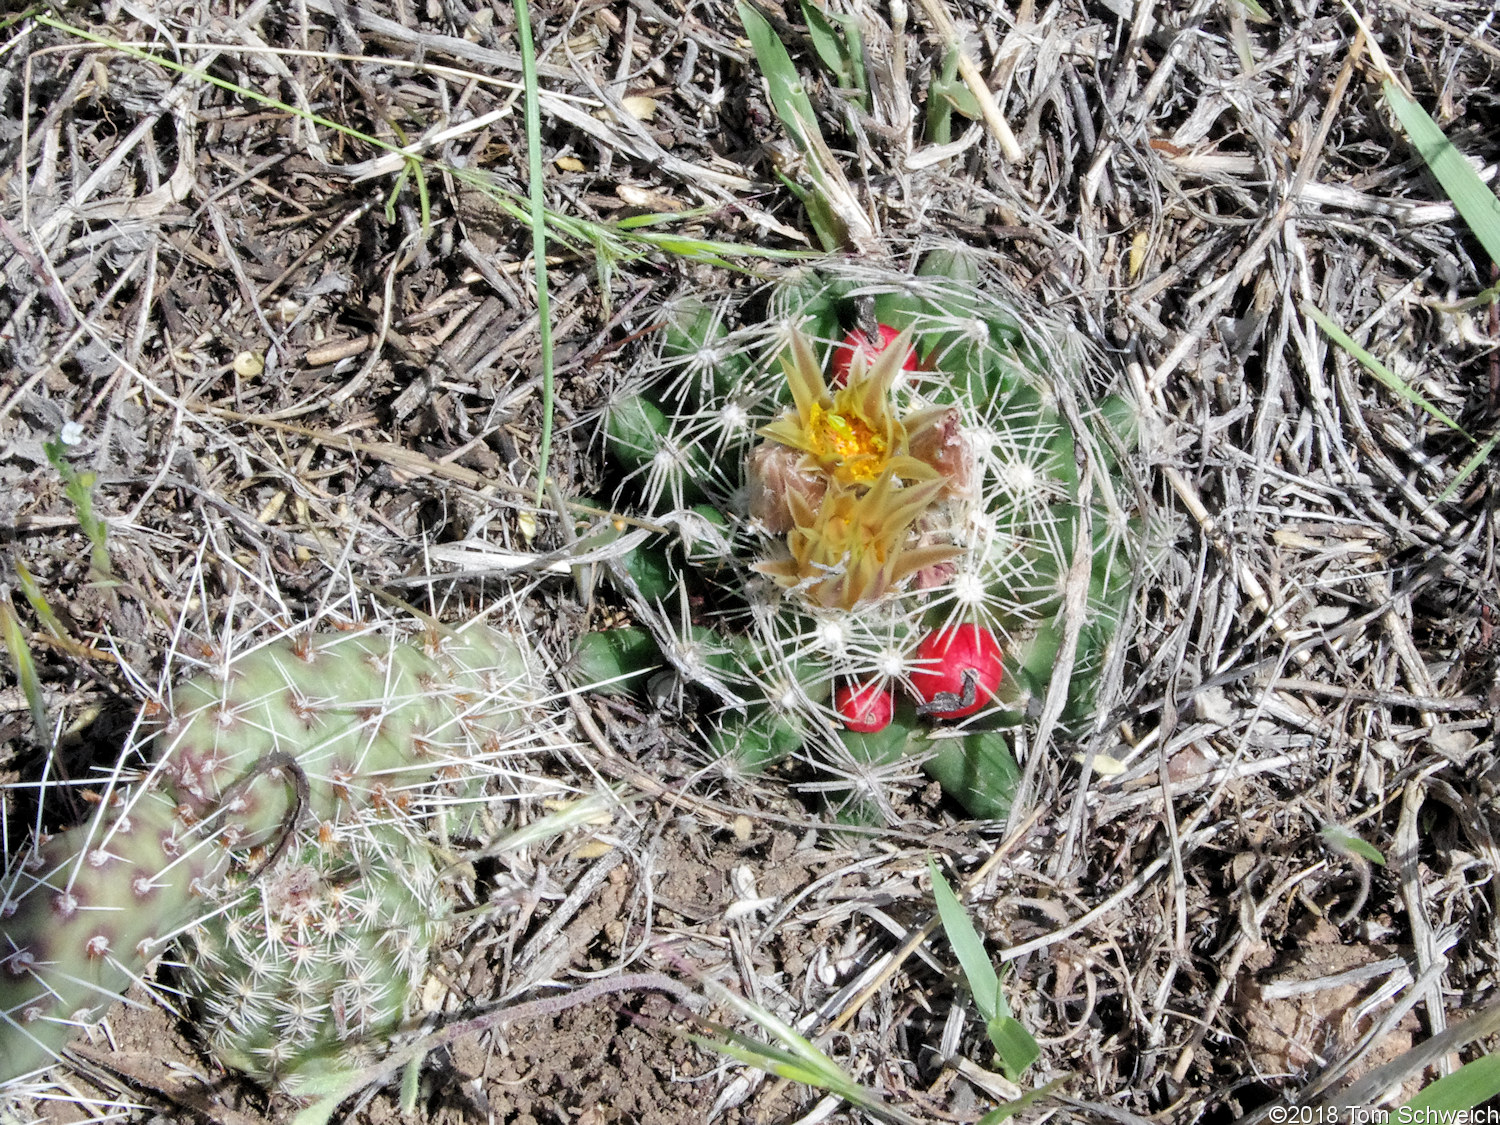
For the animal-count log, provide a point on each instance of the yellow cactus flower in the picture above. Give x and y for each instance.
(853, 547)
(852, 434)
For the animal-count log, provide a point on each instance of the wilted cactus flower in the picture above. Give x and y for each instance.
(847, 477)
(852, 434)
(854, 547)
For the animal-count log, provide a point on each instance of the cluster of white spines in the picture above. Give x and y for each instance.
(1014, 527)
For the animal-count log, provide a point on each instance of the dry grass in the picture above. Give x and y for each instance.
(1320, 649)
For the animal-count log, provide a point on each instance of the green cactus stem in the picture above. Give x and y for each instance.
(354, 743)
(859, 511)
(307, 970)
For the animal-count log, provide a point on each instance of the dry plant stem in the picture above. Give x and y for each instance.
(1401, 640)
(410, 461)
(1366, 1089)
(974, 79)
(1329, 1078)
(148, 1072)
(1246, 579)
(1075, 605)
(1251, 918)
(1483, 46)
(1428, 955)
(1224, 289)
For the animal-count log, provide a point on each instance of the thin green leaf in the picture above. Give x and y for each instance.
(1341, 839)
(839, 47)
(967, 944)
(960, 99)
(39, 604)
(1470, 1085)
(826, 225)
(395, 192)
(1481, 455)
(320, 1111)
(775, 1060)
(1016, 1105)
(79, 489)
(1255, 11)
(797, 1060)
(1475, 202)
(410, 1077)
(1378, 369)
(838, 217)
(538, 201)
(1014, 1045)
(20, 657)
(940, 106)
(789, 99)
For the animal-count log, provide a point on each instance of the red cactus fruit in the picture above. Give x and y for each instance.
(864, 708)
(956, 671)
(858, 342)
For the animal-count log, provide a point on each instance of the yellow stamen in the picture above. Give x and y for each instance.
(859, 450)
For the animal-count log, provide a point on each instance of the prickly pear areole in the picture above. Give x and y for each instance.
(895, 514)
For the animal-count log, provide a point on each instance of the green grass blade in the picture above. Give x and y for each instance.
(775, 1060)
(967, 944)
(793, 1056)
(1475, 202)
(538, 209)
(794, 109)
(1025, 1101)
(788, 98)
(840, 48)
(1378, 369)
(1468, 1086)
(1481, 455)
(20, 656)
(1014, 1045)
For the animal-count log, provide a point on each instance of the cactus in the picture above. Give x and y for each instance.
(314, 966)
(283, 820)
(873, 464)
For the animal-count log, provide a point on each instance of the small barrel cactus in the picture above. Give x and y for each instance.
(880, 484)
(314, 965)
(283, 821)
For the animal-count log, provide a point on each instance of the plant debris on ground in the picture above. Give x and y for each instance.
(253, 358)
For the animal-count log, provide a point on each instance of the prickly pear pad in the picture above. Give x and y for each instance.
(355, 745)
(829, 525)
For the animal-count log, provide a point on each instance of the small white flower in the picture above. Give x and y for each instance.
(72, 433)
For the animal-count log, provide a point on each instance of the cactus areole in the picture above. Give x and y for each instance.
(864, 708)
(858, 342)
(957, 671)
